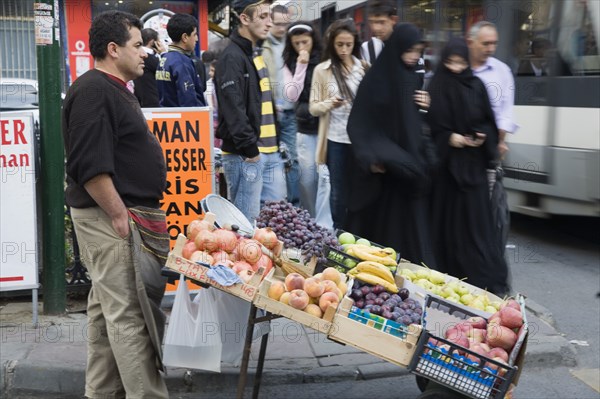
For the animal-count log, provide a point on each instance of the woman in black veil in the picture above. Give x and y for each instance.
(391, 171)
(465, 133)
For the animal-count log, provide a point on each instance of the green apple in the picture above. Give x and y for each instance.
(363, 241)
(422, 273)
(349, 263)
(448, 292)
(346, 238)
(436, 277)
(490, 309)
(462, 290)
(467, 299)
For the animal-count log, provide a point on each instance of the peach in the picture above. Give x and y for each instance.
(328, 299)
(329, 285)
(298, 299)
(285, 298)
(319, 276)
(276, 290)
(313, 287)
(343, 287)
(294, 281)
(332, 274)
(314, 310)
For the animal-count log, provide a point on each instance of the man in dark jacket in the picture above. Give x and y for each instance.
(252, 164)
(177, 78)
(145, 88)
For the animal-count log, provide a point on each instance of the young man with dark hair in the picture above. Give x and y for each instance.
(382, 17)
(145, 88)
(178, 81)
(251, 160)
(116, 176)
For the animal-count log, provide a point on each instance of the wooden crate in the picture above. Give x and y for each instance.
(198, 272)
(262, 301)
(371, 340)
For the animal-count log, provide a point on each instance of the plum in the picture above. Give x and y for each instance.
(396, 298)
(369, 302)
(367, 307)
(356, 285)
(371, 296)
(379, 301)
(403, 293)
(391, 303)
(384, 295)
(378, 289)
(396, 315)
(365, 290)
(385, 307)
(399, 310)
(416, 318)
(387, 314)
(418, 310)
(406, 320)
(376, 309)
(356, 294)
(360, 303)
(404, 306)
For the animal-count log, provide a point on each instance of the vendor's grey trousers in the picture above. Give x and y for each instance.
(121, 357)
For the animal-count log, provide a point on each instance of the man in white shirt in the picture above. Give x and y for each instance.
(382, 16)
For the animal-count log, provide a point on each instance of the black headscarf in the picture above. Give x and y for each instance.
(460, 104)
(384, 124)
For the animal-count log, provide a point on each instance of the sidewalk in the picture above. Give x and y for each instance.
(49, 360)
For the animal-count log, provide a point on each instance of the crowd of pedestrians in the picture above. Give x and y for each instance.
(368, 137)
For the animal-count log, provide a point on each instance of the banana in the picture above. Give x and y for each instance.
(372, 279)
(364, 255)
(376, 269)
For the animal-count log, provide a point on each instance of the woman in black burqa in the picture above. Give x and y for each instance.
(391, 169)
(465, 133)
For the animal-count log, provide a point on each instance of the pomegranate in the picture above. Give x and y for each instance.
(197, 226)
(266, 237)
(249, 250)
(264, 262)
(220, 257)
(188, 249)
(205, 240)
(226, 240)
(241, 265)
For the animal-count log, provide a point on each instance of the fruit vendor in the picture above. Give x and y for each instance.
(116, 176)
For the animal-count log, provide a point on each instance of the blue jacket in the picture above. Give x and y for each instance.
(177, 81)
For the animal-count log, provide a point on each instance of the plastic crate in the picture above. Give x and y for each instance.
(341, 260)
(447, 364)
(454, 366)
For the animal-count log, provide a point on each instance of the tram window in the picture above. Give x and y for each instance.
(579, 34)
(556, 38)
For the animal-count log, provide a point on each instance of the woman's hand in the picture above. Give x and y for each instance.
(377, 168)
(422, 99)
(337, 102)
(303, 57)
(459, 141)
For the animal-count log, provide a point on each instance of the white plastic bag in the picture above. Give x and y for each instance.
(193, 339)
(233, 315)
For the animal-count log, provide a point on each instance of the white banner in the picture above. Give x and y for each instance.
(18, 230)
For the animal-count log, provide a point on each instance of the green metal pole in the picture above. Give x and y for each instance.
(47, 39)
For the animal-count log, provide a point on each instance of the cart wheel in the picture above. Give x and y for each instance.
(422, 382)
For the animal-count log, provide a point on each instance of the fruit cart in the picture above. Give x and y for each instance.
(368, 305)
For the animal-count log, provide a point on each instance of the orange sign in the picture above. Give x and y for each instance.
(186, 136)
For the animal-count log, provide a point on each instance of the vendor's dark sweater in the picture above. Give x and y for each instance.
(105, 132)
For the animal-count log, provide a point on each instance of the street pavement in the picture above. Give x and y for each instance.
(49, 361)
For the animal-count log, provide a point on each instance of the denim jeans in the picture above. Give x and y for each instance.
(288, 129)
(273, 177)
(250, 184)
(244, 184)
(338, 155)
(314, 181)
